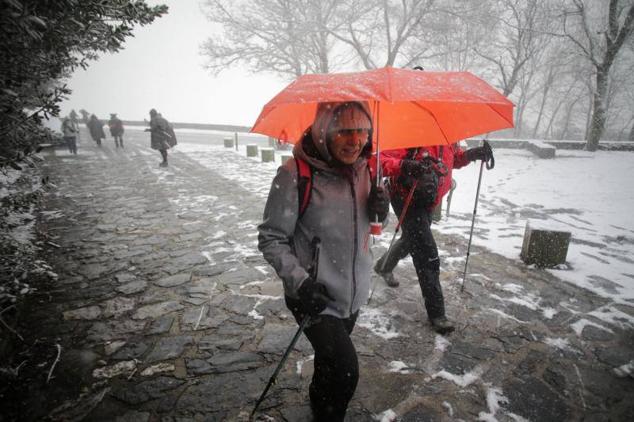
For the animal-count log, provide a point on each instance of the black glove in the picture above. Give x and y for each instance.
(378, 203)
(413, 168)
(314, 297)
(427, 189)
(484, 153)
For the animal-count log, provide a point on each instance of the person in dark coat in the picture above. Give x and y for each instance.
(116, 130)
(161, 135)
(343, 202)
(432, 166)
(95, 127)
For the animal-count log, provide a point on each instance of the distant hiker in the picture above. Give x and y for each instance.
(423, 164)
(116, 130)
(84, 116)
(162, 135)
(74, 117)
(343, 202)
(70, 131)
(95, 127)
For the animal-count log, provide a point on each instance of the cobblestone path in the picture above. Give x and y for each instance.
(164, 310)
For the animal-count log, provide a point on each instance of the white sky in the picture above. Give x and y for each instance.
(161, 68)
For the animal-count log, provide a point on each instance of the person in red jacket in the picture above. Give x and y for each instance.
(432, 167)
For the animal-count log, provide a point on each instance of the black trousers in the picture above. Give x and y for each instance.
(417, 239)
(336, 366)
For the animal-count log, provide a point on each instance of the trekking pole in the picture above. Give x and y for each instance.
(408, 200)
(316, 243)
(302, 325)
(490, 163)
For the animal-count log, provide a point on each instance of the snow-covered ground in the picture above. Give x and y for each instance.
(588, 194)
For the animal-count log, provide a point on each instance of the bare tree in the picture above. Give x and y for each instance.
(281, 36)
(599, 35)
(378, 32)
(461, 32)
(522, 35)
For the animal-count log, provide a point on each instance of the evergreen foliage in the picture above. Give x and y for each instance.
(44, 41)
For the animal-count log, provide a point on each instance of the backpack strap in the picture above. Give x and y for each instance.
(304, 184)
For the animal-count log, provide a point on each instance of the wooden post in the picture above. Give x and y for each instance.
(235, 134)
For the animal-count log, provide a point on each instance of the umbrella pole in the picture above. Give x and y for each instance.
(375, 226)
(408, 200)
(475, 207)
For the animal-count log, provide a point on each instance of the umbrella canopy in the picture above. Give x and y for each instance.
(410, 108)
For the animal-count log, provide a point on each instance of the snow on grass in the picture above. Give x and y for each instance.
(522, 186)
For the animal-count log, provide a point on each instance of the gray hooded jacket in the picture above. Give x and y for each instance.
(337, 214)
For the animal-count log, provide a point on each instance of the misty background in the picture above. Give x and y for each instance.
(161, 67)
(568, 65)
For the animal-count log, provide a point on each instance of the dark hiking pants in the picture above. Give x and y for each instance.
(71, 142)
(417, 239)
(336, 366)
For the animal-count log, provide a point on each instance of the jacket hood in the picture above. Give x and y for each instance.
(325, 119)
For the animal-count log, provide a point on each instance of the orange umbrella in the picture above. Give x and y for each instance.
(410, 108)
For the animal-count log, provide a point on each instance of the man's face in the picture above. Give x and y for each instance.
(347, 144)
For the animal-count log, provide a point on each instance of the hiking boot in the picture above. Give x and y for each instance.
(441, 325)
(163, 164)
(387, 276)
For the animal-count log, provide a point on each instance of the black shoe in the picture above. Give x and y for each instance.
(441, 325)
(387, 276)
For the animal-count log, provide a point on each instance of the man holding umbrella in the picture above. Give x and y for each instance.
(430, 168)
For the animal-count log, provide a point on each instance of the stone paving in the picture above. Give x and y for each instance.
(165, 311)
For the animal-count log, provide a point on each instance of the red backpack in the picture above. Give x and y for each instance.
(305, 182)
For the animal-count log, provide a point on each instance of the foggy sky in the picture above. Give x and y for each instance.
(161, 68)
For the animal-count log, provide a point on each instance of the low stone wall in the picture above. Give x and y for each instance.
(200, 126)
(536, 145)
